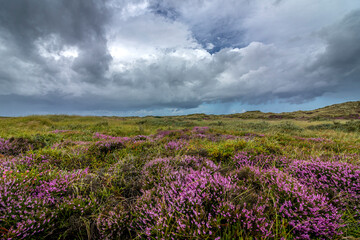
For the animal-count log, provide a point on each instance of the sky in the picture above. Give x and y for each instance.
(171, 57)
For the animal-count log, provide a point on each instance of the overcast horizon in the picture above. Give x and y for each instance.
(157, 57)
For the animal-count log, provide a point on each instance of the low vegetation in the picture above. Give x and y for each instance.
(184, 177)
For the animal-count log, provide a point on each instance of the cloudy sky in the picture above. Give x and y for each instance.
(166, 57)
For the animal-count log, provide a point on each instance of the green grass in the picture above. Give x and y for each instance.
(116, 172)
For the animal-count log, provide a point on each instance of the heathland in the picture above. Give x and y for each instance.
(242, 176)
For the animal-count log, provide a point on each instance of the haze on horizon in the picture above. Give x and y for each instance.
(170, 57)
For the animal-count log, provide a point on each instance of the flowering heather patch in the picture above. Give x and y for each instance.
(295, 198)
(179, 134)
(227, 137)
(175, 145)
(14, 146)
(200, 130)
(162, 134)
(113, 223)
(109, 145)
(193, 203)
(262, 161)
(308, 214)
(170, 166)
(140, 138)
(339, 181)
(166, 165)
(7, 163)
(108, 137)
(32, 200)
(204, 136)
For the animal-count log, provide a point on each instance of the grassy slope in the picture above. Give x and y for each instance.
(146, 125)
(348, 110)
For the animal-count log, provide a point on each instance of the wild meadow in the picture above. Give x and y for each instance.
(185, 177)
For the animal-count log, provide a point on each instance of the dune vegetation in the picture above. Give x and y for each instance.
(184, 177)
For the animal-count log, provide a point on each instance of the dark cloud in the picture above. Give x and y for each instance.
(342, 53)
(13, 104)
(74, 21)
(163, 9)
(77, 23)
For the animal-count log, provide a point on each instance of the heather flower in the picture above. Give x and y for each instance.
(262, 160)
(106, 146)
(192, 193)
(339, 181)
(14, 146)
(30, 200)
(175, 145)
(113, 223)
(200, 130)
(309, 214)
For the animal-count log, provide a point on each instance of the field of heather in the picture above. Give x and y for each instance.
(189, 177)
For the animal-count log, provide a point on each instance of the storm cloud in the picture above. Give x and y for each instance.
(113, 55)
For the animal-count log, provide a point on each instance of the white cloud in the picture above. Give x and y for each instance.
(51, 49)
(134, 9)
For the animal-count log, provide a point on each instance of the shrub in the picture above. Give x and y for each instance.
(15, 146)
(33, 201)
(192, 203)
